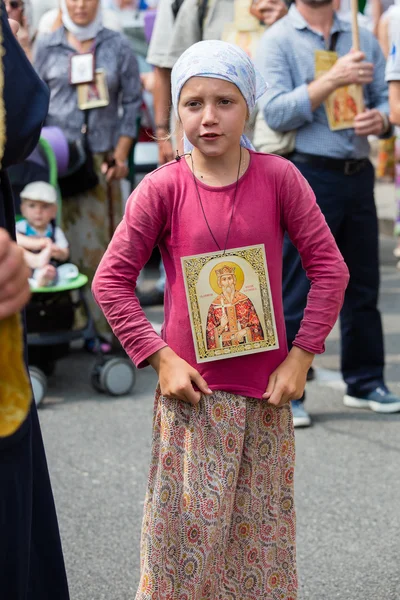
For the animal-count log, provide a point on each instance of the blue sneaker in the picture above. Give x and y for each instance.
(380, 400)
(300, 417)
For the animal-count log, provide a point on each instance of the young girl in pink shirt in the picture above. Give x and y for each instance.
(219, 520)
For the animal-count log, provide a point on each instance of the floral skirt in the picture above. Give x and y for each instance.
(88, 221)
(219, 519)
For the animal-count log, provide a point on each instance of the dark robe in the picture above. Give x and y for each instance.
(31, 560)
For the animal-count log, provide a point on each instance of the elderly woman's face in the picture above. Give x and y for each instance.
(82, 12)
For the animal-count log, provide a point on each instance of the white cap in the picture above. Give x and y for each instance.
(41, 191)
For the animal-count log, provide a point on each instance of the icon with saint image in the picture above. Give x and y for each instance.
(230, 303)
(232, 318)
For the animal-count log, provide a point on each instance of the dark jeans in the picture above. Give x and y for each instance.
(347, 202)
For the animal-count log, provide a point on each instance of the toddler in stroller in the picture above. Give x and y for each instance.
(58, 312)
(45, 245)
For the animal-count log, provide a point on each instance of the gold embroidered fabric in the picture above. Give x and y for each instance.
(15, 391)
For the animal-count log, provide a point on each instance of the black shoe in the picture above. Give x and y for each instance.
(96, 345)
(152, 298)
(311, 374)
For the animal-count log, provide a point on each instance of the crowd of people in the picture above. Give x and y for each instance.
(285, 240)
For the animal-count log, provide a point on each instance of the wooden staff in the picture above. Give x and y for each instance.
(354, 25)
(110, 208)
(356, 47)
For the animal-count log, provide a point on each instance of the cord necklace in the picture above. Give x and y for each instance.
(233, 204)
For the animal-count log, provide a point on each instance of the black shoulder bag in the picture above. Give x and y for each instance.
(81, 175)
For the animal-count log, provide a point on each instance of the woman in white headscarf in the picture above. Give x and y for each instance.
(219, 520)
(110, 104)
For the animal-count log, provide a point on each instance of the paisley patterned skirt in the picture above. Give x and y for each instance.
(88, 220)
(219, 519)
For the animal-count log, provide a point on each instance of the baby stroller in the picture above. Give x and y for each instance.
(64, 303)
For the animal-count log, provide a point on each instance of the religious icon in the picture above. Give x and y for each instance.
(232, 318)
(81, 69)
(230, 303)
(344, 103)
(344, 106)
(95, 93)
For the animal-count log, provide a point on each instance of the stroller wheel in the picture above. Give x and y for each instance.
(117, 376)
(95, 378)
(48, 368)
(39, 384)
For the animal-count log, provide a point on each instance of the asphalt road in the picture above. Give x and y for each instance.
(347, 482)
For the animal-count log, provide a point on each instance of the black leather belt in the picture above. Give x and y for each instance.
(349, 166)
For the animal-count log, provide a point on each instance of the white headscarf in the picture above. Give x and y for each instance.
(218, 60)
(82, 33)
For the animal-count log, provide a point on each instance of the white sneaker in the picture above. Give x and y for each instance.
(379, 400)
(301, 418)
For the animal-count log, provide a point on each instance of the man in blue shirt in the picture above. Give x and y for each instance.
(336, 165)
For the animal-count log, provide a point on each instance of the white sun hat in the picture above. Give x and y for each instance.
(41, 191)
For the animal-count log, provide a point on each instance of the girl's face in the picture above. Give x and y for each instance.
(82, 12)
(213, 113)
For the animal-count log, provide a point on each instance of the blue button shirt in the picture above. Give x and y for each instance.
(285, 58)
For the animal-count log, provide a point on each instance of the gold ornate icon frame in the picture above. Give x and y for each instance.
(249, 326)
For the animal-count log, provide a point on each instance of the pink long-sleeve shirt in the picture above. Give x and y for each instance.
(164, 210)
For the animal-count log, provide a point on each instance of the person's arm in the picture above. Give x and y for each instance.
(61, 254)
(28, 242)
(394, 102)
(60, 247)
(393, 75)
(115, 279)
(123, 148)
(348, 69)
(383, 35)
(375, 119)
(185, 31)
(14, 273)
(131, 100)
(286, 108)
(162, 109)
(376, 13)
(159, 56)
(143, 225)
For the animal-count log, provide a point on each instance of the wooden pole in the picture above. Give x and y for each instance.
(354, 25)
(356, 47)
